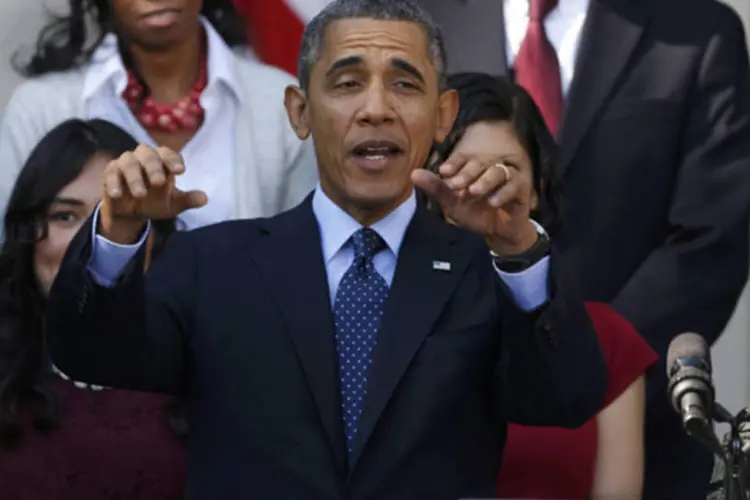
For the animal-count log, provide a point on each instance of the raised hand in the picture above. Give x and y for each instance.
(486, 196)
(140, 186)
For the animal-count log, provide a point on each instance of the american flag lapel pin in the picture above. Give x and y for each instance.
(439, 265)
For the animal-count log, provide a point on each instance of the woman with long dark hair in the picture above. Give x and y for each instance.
(603, 459)
(172, 73)
(61, 439)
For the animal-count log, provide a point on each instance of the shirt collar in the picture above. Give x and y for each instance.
(567, 6)
(337, 226)
(106, 66)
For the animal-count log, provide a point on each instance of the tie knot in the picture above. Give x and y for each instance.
(539, 9)
(367, 243)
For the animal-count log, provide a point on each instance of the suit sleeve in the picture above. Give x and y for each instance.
(132, 335)
(693, 280)
(552, 371)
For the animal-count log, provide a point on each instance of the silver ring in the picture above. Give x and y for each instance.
(506, 170)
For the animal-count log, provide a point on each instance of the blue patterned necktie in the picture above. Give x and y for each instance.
(358, 309)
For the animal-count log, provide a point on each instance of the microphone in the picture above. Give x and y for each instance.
(690, 388)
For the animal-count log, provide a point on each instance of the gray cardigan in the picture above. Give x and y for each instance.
(274, 170)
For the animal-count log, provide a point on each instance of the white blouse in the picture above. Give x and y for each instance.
(245, 156)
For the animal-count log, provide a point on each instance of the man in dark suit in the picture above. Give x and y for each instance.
(356, 347)
(651, 103)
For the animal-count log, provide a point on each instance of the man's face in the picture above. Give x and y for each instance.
(157, 24)
(373, 108)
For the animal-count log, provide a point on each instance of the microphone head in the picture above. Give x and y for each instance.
(688, 346)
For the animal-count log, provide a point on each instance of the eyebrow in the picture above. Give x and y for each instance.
(408, 68)
(67, 201)
(346, 62)
(398, 63)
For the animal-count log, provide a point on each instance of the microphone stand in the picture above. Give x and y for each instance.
(735, 455)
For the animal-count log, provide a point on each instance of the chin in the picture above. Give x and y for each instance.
(374, 197)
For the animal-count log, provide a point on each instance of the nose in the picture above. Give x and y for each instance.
(377, 108)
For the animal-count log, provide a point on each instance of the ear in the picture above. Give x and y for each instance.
(446, 115)
(295, 102)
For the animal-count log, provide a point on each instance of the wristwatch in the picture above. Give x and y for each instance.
(521, 262)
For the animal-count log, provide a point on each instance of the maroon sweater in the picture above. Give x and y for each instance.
(111, 445)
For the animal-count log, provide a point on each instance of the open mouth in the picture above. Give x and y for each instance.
(162, 18)
(376, 153)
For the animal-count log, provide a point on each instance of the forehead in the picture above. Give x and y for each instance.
(87, 186)
(374, 38)
(496, 137)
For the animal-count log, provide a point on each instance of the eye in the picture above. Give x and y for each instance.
(63, 216)
(347, 84)
(406, 85)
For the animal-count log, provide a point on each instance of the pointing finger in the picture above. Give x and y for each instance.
(491, 180)
(466, 175)
(171, 160)
(504, 195)
(131, 169)
(453, 164)
(147, 158)
(112, 180)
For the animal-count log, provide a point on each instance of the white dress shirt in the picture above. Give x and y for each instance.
(528, 288)
(246, 155)
(563, 26)
(210, 153)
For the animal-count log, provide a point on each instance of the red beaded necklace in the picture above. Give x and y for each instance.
(184, 115)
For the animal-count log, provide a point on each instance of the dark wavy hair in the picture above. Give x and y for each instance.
(68, 41)
(486, 98)
(26, 375)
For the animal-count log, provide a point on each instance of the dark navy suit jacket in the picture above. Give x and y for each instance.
(237, 317)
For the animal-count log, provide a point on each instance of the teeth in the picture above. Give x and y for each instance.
(375, 157)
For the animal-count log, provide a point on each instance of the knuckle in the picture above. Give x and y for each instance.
(112, 167)
(142, 149)
(165, 152)
(145, 154)
(127, 162)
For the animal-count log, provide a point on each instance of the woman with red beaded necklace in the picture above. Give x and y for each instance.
(172, 73)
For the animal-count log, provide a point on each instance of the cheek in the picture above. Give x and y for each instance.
(125, 15)
(194, 6)
(50, 252)
(421, 136)
(329, 132)
(120, 9)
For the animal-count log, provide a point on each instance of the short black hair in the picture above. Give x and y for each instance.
(387, 10)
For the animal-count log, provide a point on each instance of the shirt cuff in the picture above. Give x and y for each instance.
(529, 288)
(109, 259)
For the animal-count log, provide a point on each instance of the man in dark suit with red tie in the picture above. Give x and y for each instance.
(356, 347)
(650, 102)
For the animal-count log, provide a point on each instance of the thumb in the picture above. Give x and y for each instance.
(434, 186)
(185, 200)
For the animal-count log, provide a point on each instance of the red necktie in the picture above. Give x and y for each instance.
(536, 67)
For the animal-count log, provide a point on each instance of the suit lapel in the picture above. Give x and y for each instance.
(415, 301)
(292, 259)
(610, 35)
